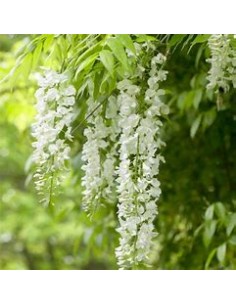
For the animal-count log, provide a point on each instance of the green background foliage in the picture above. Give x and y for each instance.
(197, 209)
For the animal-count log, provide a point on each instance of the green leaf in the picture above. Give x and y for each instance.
(127, 42)
(231, 224)
(181, 100)
(144, 38)
(209, 258)
(209, 212)
(96, 84)
(87, 63)
(63, 43)
(199, 54)
(117, 48)
(176, 39)
(112, 84)
(220, 210)
(96, 48)
(221, 251)
(195, 126)
(200, 39)
(36, 55)
(48, 42)
(209, 118)
(232, 240)
(107, 60)
(104, 87)
(187, 41)
(209, 231)
(229, 229)
(197, 98)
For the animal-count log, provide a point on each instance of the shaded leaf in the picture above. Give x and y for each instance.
(232, 240)
(197, 98)
(221, 251)
(176, 39)
(208, 118)
(231, 223)
(209, 258)
(220, 210)
(209, 212)
(209, 231)
(200, 39)
(195, 126)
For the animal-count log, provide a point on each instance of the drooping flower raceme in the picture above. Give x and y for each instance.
(111, 157)
(121, 158)
(99, 155)
(223, 63)
(52, 131)
(96, 133)
(137, 183)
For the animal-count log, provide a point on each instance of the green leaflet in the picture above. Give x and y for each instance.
(209, 231)
(197, 98)
(107, 59)
(232, 240)
(48, 42)
(209, 258)
(36, 55)
(200, 39)
(86, 64)
(127, 42)
(220, 211)
(176, 39)
(221, 251)
(195, 126)
(118, 49)
(209, 212)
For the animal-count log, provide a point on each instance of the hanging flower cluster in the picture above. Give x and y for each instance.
(52, 130)
(223, 63)
(121, 154)
(96, 134)
(138, 187)
(122, 157)
(99, 155)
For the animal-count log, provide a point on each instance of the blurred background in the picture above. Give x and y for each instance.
(197, 210)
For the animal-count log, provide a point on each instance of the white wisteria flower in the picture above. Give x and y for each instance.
(121, 156)
(223, 63)
(52, 130)
(99, 156)
(137, 184)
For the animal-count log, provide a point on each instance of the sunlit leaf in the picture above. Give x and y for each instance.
(107, 60)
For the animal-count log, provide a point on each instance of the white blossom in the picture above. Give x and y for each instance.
(223, 63)
(51, 131)
(137, 184)
(98, 180)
